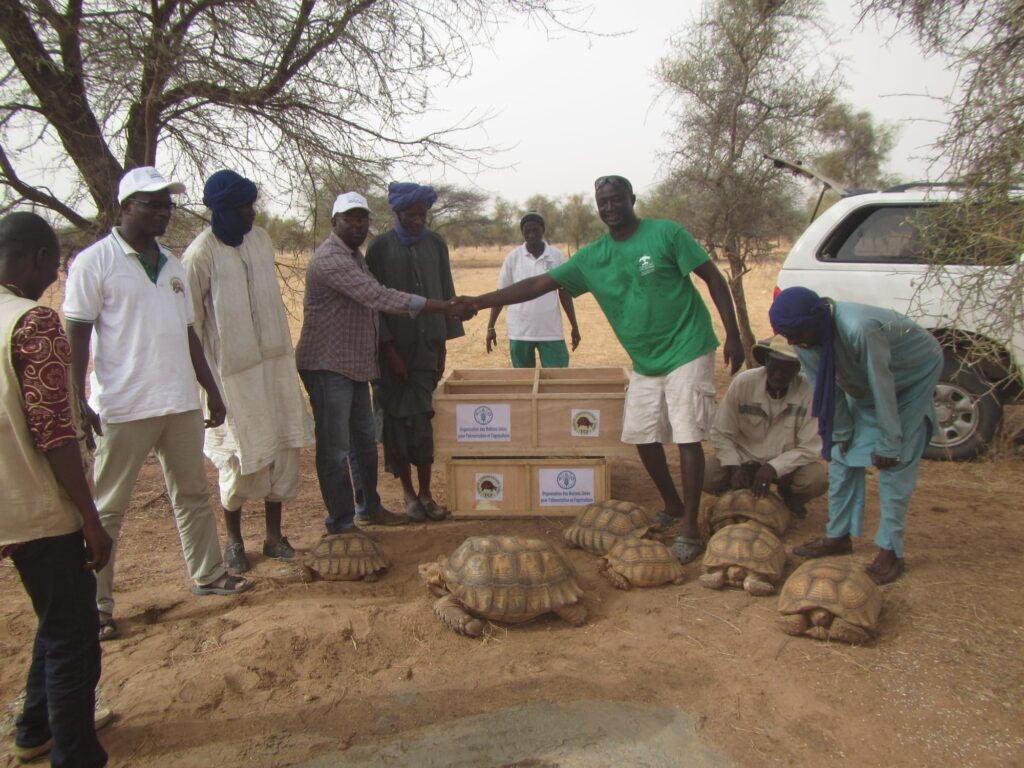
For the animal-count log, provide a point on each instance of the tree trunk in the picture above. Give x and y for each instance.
(739, 298)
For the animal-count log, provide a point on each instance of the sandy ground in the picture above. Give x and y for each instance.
(363, 674)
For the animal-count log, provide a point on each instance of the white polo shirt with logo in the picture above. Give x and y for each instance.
(141, 362)
(538, 319)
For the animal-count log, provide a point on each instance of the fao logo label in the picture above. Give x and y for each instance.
(488, 487)
(566, 479)
(646, 264)
(483, 415)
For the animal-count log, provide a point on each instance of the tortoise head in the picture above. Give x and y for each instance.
(432, 573)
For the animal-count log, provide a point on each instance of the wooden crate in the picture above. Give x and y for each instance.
(515, 487)
(530, 412)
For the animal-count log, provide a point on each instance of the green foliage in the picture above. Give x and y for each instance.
(856, 147)
(745, 82)
(982, 150)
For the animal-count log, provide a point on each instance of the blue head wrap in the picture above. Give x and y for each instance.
(801, 309)
(225, 192)
(402, 195)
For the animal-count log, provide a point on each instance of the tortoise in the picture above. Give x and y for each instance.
(633, 562)
(742, 506)
(745, 555)
(503, 578)
(345, 556)
(599, 526)
(830, 599)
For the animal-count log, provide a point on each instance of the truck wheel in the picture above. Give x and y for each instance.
(969, 413)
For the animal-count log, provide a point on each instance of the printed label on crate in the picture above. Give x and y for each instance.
(490, 486)
(584, 423)
(483, 423)
(562, 487)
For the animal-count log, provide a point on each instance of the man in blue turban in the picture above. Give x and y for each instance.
(410, 257)
(874, 372)
(242, 323)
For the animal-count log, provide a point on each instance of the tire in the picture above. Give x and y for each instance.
(969, 413)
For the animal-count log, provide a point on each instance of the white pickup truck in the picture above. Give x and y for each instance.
(862, 249)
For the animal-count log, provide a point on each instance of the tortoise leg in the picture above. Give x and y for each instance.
(306, 574)
(370, 577)
(795, 624)
(617, 579)
(575, 614)
(715, 580)
(452, 614)
(846, 632)
(758, 587)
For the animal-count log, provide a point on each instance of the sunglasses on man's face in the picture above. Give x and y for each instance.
(154, 205)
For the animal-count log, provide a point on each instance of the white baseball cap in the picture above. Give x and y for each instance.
(348, 201)
(146, 179)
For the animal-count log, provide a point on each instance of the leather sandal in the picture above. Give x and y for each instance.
(824, 547)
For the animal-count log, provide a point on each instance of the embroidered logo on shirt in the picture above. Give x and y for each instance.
(646, 264)
(177, 286)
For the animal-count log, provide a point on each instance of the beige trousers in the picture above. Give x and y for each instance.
(177, 441)
(798, 487)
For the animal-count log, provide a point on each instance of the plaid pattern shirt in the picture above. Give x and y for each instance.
(340, 327)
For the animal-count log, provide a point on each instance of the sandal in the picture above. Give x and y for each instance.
(234, 557)
(225, 585)
(280, 549)
(434, 510)
(687, 550)
(415, 511)
(108, 627)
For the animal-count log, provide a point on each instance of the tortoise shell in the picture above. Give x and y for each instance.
(344, 557)
(839, 586)
(641, 563)
(510, 579)
(748, 545)
(740, 506)
(600, 526)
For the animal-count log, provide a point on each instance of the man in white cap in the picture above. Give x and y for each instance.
(764, 432)
(337, 358)
(132, 294)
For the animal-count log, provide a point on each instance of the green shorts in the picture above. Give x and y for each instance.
(553, 354)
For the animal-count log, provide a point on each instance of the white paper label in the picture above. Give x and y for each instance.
(585, 423)
(566, 486)
(483, 423)
(490, 486)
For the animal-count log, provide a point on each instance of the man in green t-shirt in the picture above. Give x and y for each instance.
(639, 273)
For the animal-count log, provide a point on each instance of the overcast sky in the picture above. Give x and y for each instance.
(573, 108)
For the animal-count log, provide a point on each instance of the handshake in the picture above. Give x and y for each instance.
(461, 308)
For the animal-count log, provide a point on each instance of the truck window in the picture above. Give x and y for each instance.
(887, 234)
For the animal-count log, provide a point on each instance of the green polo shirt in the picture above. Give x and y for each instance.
(643, 286)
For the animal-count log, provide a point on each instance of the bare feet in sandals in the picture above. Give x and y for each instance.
(225, 585)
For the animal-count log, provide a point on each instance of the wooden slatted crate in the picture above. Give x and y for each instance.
(511, 487)
(530, 412)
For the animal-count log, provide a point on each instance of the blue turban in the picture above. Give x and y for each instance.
(402, 195)
(225, 192)
(801, 309)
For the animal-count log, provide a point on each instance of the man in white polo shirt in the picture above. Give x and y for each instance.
(132, 295)
(534, 327)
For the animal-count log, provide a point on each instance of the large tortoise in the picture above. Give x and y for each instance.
(348, 556)
(635, 562)
(503, 578)
(745, 555)
(831, 599)
(742, 506)
(600, 526)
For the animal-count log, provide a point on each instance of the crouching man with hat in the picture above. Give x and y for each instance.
(764, 432)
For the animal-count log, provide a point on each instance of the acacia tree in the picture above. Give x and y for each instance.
(275, 89)
(745, 82)
(982, 151)
(856, 147)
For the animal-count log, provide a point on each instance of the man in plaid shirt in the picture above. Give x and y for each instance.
(337, 358)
